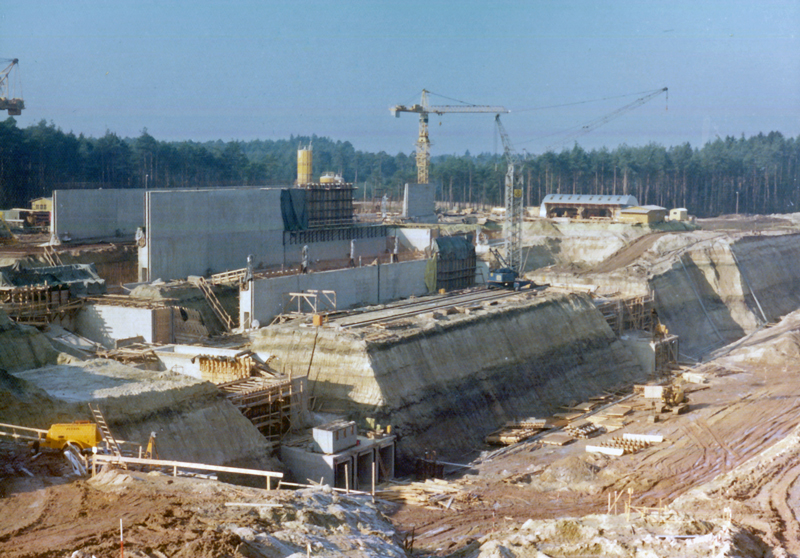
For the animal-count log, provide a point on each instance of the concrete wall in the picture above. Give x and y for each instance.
(360, 286)
(419, 203)
(414, 239)
(94, 214)
(335, 250)
(106, 324)
(306, 466)
(196, 232)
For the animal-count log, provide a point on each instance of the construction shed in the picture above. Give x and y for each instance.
(645, 214)
(583, 206)
(679, 214)
(42, 204)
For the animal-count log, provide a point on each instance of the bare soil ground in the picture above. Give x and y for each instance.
(180, 517)
(748, 404)
(726, 474)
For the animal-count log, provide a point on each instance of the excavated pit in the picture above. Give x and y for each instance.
(444, 382)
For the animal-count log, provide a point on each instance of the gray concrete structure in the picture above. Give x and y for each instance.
(414, 239)
(97, 214)
(365, 248)
(263, 299)
(350, 468)
(200, 232)
(105, 324)
(419, 203)
(197, 232)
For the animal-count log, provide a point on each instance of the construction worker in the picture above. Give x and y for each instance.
(304, 262)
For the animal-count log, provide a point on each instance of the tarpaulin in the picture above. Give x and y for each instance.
(293, 209)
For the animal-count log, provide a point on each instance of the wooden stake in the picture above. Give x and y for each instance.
(346, 479)
(373, 481)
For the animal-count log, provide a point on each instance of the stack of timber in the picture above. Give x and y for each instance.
(513, 432)
(611, 418)
(628, 443)
(133, 354)
(432, 494)
(583, 429)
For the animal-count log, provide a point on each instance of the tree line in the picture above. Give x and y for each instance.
(756, 174)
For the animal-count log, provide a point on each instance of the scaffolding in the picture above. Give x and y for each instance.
(38, 305)
(666, 352)
(317, 301)
(634, 313)
(329, 205)
(274, 406)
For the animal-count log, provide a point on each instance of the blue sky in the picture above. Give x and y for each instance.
(263, 69)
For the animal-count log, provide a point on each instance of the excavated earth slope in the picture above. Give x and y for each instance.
(192, 421)
(445, 382)
(711, 288)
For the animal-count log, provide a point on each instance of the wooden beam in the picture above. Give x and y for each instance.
(185, 465)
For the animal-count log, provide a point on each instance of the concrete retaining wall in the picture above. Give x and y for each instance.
(105, 324)
(95, 214)
(414, 239)
(360, 286)
(335, 250)
(197, 232)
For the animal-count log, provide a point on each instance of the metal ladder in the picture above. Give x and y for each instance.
(111, 442)
(213, 301)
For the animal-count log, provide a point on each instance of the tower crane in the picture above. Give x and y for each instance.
(510, 270)
(424, 109)
(13, 106)
(586, 128)
(512, 226)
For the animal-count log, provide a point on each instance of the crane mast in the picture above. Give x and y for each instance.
(512, 225)
(423, 154)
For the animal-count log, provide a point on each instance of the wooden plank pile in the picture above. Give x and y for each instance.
(558, 438)
(626, 444)
(612, 418)
(513, 432)
(432, 494)
(135, 353)
(583, 429)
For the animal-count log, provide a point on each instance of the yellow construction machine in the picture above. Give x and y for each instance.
(665, 398)
(83, 435)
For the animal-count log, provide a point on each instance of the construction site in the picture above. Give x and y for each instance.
(270, 371)
(596, 378)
